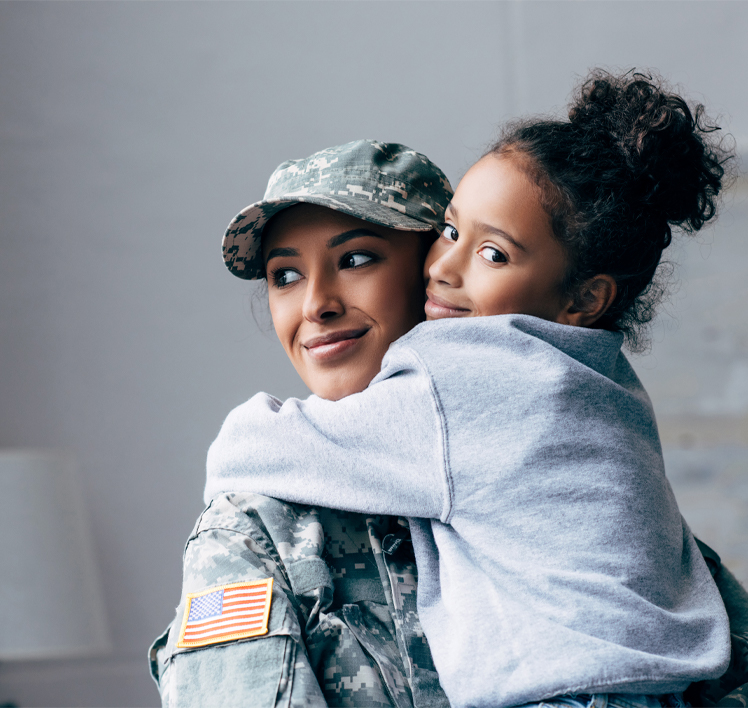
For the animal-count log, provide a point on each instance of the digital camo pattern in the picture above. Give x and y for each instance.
(343, 648)
(229, 545)
(383, 183)
(393, 551)
(736, 699)
(732, 682)
(384, 619)
(731, 688)
(298, 687)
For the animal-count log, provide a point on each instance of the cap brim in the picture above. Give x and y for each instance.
(242, 240)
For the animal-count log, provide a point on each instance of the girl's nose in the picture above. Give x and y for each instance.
(448, 267)
(322, 302)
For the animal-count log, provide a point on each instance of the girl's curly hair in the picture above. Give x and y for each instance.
(632, 162)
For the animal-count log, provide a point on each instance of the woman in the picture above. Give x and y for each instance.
(358, 298)
(343, 628)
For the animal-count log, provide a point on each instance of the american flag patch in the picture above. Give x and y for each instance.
(226, 612)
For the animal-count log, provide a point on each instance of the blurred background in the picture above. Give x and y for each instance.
(131, 133)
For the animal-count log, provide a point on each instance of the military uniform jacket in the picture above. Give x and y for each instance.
(342, 630)
(353, 651)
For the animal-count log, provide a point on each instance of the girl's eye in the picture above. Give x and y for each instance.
(355, 260)
(492, 254)
(285, 276)
(450, 232)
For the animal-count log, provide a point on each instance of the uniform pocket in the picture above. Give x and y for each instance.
(242, 674)
(263, 671)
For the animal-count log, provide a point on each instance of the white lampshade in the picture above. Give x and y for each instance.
(50, 600)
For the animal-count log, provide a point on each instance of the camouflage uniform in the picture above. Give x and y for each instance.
(343, 628)
(730, 689)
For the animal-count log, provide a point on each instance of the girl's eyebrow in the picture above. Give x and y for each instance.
(493, 230)
(482, 226)
(353, 233)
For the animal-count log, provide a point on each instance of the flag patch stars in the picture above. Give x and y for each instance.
(226, 613)
(206, 606)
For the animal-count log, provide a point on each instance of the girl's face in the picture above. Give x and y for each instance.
(341, 290)
(497, 254)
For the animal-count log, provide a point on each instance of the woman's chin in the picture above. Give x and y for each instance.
(335, 393)
(337, 386)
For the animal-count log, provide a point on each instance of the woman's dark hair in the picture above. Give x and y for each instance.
(632, 161)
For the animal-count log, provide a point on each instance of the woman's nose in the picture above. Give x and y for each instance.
(322, 302)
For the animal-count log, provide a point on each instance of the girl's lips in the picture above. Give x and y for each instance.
(331, 346)
(437, 308)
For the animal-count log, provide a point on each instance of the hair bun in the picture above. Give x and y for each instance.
(675, 169)
(632, 161)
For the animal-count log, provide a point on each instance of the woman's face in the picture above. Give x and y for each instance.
(497, 254)
(341, 290)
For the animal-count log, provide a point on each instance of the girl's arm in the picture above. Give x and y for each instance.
(380, 451)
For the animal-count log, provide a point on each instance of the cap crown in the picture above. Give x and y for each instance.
(383, 183)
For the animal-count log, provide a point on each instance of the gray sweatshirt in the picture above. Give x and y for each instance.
(551, 553)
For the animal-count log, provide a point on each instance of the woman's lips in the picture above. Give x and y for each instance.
(335, 344)
(437, 308)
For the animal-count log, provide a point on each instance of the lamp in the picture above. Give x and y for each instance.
(50, 600)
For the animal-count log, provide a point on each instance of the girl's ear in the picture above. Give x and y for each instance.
(594, 297)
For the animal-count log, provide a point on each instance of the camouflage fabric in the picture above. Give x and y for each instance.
(730, 689)
(343, 629)
(738, 698)
(383, 183)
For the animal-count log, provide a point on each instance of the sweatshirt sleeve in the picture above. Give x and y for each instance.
(380, 451)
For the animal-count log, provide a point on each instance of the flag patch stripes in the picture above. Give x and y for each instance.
(225, 613)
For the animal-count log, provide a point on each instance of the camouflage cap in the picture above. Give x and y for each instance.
(383, 183)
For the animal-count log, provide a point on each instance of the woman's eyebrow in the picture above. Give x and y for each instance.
(280, 252)
(353, 233)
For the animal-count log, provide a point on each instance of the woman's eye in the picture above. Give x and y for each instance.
(492, 254)
(450, 233)
(355, 260)
(285, 276)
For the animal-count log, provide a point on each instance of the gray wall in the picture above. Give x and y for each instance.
(130, 134)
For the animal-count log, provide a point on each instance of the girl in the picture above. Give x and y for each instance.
(553, 550)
